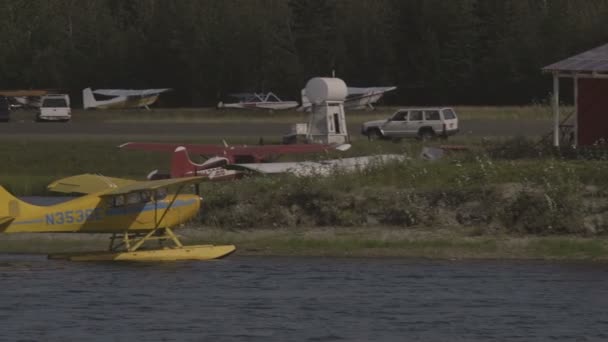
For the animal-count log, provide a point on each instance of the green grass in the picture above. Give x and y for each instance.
(399, 243)
(212, 115)
(340, 242)
(568, 248)
(52, 243)
(30, 164)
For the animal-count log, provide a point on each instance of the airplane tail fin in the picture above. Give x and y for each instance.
(11, 206)
(213, 168)
(88, 99)
(181, 165)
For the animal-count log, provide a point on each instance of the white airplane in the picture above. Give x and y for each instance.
(26, 102)
(258, 101)
(24, 98)
(320, 168)
(356, 99)
(120, 98)
(220, 168)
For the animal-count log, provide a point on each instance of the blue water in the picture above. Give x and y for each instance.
(302, 299)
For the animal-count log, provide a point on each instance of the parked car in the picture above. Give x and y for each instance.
(422, 123)
(55, 107)
(5, 109)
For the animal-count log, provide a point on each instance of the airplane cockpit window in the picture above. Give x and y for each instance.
(146, 196)
(133, 198)
(160, 194)
(118, 201)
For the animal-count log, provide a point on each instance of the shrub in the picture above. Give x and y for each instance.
(544, 212)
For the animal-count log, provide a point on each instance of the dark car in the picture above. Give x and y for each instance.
(5, 109)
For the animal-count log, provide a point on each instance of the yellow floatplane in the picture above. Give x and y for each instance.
(137, 214)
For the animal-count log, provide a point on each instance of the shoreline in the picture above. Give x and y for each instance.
(441, 244)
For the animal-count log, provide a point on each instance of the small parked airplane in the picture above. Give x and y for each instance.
(236, 153)
(31, 98)
(258, 101)
(120, 98)
(357, 98)
(133, 212)
(213, 168)
(220, 168)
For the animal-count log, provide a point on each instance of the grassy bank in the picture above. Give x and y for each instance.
(351, 242)
(482, 190)
(510, 187)
(500, 199)
(392, 242)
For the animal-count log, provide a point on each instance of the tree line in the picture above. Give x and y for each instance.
(435, 51)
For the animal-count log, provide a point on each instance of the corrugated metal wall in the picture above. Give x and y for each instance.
(592, 111)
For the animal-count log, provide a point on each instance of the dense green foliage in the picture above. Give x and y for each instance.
(540, 197)
(436, 51)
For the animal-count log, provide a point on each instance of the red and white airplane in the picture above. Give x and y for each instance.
(219, 168)
(181, 166)
(237, 153)
(219, 157)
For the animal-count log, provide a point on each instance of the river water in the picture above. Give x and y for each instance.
(302, 299)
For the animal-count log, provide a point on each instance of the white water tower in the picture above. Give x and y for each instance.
(327, 124)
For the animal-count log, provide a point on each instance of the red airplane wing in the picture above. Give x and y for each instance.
(256, 152)
(204, 150)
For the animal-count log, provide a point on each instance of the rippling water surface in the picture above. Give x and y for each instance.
(302, 299)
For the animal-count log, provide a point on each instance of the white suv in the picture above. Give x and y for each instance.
(55, 107)
(422, 123)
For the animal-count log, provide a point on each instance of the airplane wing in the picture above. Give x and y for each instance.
(251, 150)
(297, 168)
(152, 185)
(243, 96)
(285, 149)
(21, 93)
(87, 184)
(205, 150)
(130, 92)
(361, 91)
(321, 168)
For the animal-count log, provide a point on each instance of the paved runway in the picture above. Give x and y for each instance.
(477, 128)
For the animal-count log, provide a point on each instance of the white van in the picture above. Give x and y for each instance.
(55, 107)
